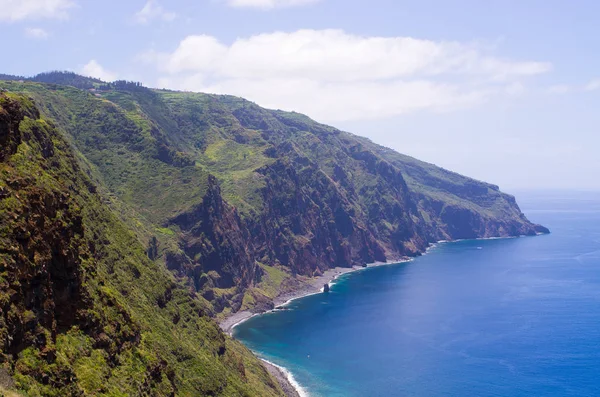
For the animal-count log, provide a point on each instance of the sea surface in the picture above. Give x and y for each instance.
(509, 317)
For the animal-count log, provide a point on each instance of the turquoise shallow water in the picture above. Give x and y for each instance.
(513, 317)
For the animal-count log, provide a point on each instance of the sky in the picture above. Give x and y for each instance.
(502, 91)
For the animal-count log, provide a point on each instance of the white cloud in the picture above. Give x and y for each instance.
(16, 10)
(36, 33)
(94, 69)
(560, 89)
(334, 76)
(152, 11)
(336, 55)
(269, 4)
(593, 85)
(515, 89)
(339, 101)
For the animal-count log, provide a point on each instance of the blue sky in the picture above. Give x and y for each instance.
(504, 91)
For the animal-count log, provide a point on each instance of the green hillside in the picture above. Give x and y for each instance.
(83, 309)
(172, 209)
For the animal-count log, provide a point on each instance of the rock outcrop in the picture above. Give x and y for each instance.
(224, 185)
(83, 310)
(129, 217)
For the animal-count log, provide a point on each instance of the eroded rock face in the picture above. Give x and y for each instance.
(46, 256)
(41, 284)
(216, 240)
(308, 224)
(313, 221)
(41, 251)
(453, 222)
(10, 117)
(43, 279)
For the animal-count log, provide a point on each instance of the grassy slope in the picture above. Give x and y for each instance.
(228, 137)
(124, 147)
(200, 120)
(151, 152)
(324, 145)
(173, 347)
(120, 150)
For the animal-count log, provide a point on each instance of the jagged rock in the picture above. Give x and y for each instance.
(152, 250)
(326, 287)
(77, 288)
(289, 192)
(214, 233)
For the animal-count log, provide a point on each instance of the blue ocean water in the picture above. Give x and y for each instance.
(512, 317)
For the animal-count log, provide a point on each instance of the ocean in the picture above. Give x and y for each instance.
(506, 317)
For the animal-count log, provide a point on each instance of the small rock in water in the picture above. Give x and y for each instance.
(325, 287)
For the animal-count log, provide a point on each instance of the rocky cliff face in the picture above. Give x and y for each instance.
(83, 311)
(453, 222)
(10, 118)
(41, 250)
(308, 224)
(312, 222)
(219, 184)
(218, 249)
(426, 202)
(168, 208)
(42, 261)
(333, 199)
(45, 255)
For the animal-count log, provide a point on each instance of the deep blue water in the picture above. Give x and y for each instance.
(513, 317)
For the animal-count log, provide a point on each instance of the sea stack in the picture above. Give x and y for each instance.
(325, 287)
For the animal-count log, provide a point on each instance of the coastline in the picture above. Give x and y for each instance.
(314, 286)
(311, 287)
(286, 380)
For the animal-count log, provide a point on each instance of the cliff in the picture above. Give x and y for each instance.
(83, 310)
(130, 218)
(222, 188)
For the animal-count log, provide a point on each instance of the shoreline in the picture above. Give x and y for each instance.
(286, 380)
(311, 287)
(282, 375)
(314, 286)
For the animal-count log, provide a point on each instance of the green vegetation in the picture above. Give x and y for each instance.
(273, 283)
(103, 319)
(287, 177)
(138, 216)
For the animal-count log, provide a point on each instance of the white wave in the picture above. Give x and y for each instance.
(290, 377)
(287, 302)
(242, 321)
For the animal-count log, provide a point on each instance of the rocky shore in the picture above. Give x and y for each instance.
(281, 377)
(313, 286)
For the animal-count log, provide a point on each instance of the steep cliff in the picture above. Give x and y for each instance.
(221, 187)
(218, 250)
(83, 311)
